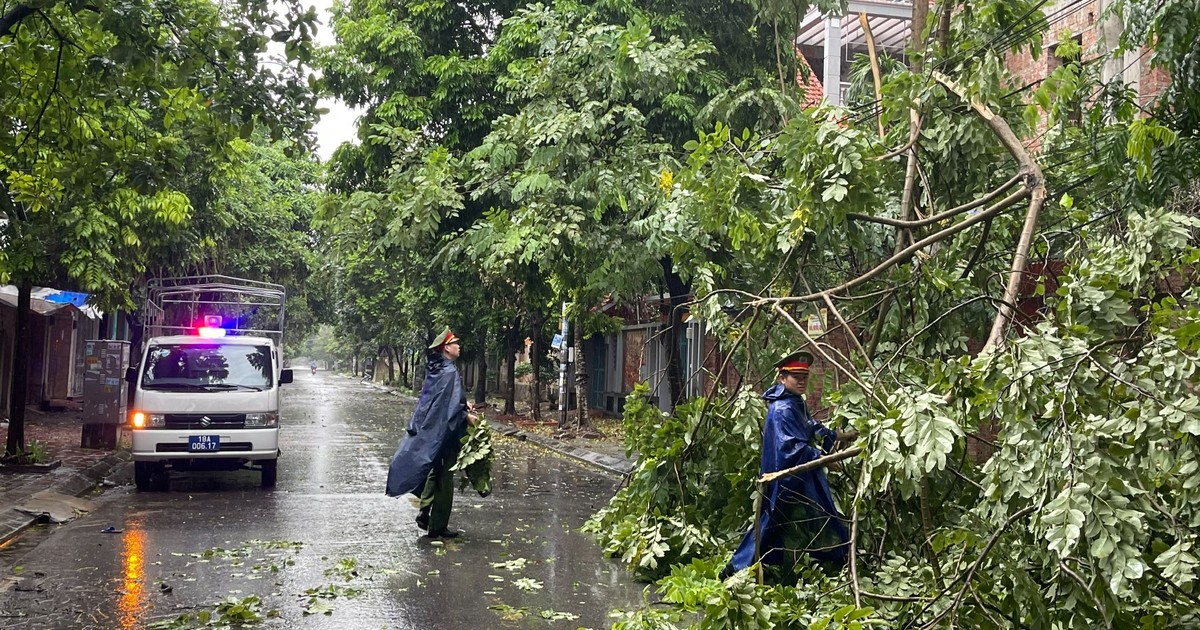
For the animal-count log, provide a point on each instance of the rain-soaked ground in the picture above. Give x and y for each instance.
(326, 541)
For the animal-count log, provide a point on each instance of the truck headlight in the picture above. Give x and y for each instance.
(142, 420)
(262, 419)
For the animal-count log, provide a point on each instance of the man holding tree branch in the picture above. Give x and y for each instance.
(423, 462)
(798, 514)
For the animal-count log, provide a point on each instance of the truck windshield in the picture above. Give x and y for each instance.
(207, 367)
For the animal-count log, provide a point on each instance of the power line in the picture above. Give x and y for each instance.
(866, 110)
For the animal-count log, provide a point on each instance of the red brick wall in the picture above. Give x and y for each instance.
(1085, 23)
(1154, 82)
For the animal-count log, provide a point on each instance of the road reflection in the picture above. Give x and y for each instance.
(133, 598)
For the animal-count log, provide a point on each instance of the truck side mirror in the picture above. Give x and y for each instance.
(130, 375)
(285, 376)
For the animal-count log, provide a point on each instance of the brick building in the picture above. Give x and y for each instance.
(828, 44)
(1097, 34)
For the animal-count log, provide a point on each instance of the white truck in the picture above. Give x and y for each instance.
(206, 391)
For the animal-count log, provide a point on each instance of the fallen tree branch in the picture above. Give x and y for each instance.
(907, 252)
(904, 235)
(866, 28)
(855, 216)
(1035, 184)
(845, 326)
(851, 374)
(812, 465)
(970, 574)
(893, 598)
(912, 139)
(854, 587)
(978, 253)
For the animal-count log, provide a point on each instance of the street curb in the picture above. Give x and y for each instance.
(613, 465)
(618, 466)
(76, 483)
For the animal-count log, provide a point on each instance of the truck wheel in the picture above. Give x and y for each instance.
(142, 472)
(269, 470)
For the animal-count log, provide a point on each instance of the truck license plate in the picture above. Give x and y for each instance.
(204, 443)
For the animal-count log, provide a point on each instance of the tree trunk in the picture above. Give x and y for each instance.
(920, 17)
(20, 367)
(481, 382)
(510, 357)
(920, 14)
(405, 369)
(535, 360)
(354, 365)
(679, 291)
(418, 371)
(943, 32)
(390, 352)
(581, 380)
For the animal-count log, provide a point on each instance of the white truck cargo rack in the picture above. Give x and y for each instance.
(177, 306)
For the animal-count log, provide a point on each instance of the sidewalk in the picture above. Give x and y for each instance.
(606, 454)
(81, 471)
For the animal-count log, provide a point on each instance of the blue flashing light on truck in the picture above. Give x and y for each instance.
(206, 388)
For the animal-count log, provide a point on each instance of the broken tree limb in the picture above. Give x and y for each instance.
(854, 586)
(912, 139)
(1035, 183)
(908, 252)
(814, 464)
(903, 234)
(866, 28)
(941, 216)
(758, 501)
(851, 374)
(1020, 263)
(845, 326)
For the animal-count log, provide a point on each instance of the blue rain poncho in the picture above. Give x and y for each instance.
(798, 512)
(437, 425)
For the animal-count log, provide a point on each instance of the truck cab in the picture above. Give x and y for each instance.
(207, 398)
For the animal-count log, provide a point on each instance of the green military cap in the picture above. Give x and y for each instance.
(443, 339)
(795, 362)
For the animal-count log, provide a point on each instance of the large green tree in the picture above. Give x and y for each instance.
(113, 120)
(421, 73)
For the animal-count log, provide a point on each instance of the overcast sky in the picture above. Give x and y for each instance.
(337, 126)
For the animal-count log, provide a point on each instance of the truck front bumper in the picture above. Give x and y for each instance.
(156, 445)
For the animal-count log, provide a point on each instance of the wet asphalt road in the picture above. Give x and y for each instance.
(327, 529)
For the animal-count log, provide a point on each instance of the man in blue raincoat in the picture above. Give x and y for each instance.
(422, 463)
(798, 511)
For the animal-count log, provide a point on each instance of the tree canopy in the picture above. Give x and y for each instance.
(128, 147)
(118, 120)
(1009, 264)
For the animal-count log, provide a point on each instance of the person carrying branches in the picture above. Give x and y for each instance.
(424, 461)
(798, 514)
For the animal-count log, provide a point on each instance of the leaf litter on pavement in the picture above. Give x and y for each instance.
(234, 611)
(323, 600)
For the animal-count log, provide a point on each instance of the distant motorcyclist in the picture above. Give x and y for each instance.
(313, 364)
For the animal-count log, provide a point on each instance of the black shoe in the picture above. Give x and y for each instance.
(423, 519)
(726, 573)
(445, 533)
